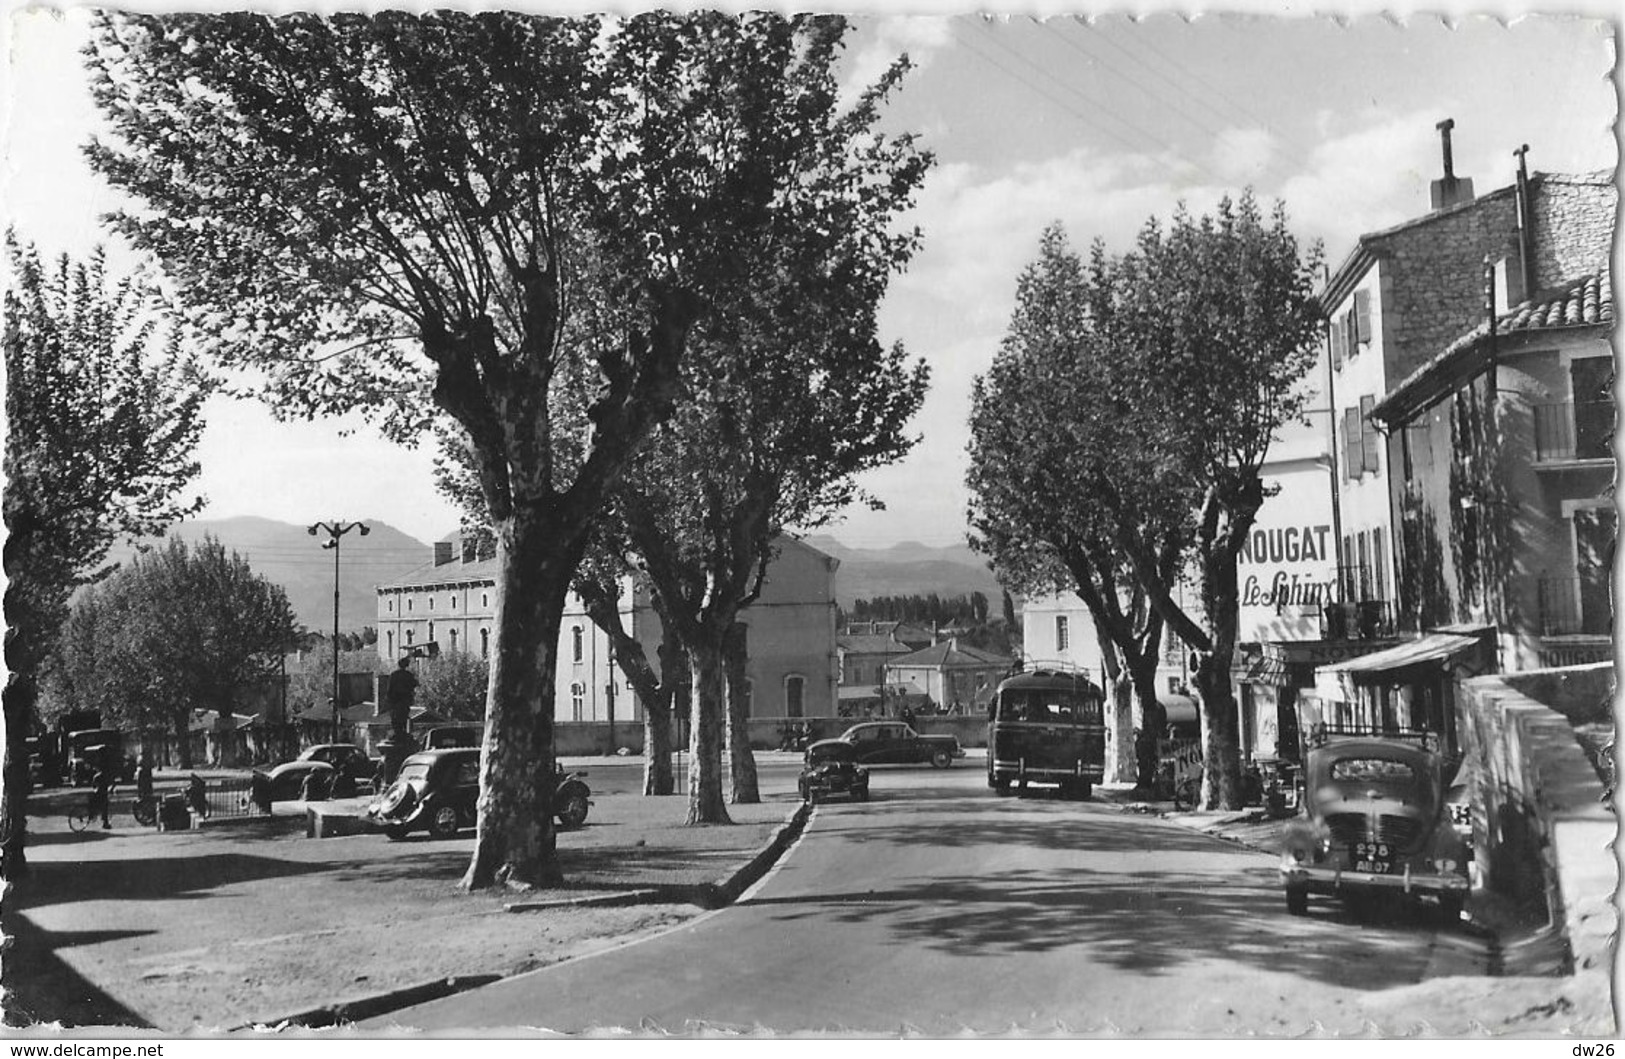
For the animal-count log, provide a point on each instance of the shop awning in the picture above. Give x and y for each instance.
(1267, 670)
(1434, 647)
(1181, 709)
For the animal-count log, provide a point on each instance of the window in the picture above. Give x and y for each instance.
(1362, 316)
(485, 601)
(577, 644)
(453, 602)
(1371, 441)
(389, 644)
(485, 643)
(1173, 685)
(794, 690)
(409, 637)
(578, 700)
(1334, 340)
(453, 636)
(408, 603)
(1062, 640)
(392, 606)
(431, 602)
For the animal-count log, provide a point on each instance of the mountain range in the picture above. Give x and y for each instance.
(288, 555)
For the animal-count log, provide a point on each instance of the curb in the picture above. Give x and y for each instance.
(718, 893)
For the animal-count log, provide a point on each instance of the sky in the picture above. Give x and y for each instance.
(1099, 124)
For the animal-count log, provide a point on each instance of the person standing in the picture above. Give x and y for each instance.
(102, 796)
(399, 692)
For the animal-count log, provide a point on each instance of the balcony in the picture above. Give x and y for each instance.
(1572, 431)
(1573, 606)
(1366, 619)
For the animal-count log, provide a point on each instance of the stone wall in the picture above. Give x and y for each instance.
(1433, 277)
(1573, 225)
(1542, 833)
(589, 738)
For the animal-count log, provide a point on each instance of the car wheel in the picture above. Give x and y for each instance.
(395, 799)
(1297, 901)
(573, 812)
(445, 823)
(941, 759)
(394, 832)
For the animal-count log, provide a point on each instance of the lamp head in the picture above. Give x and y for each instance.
(364, 529)
(312, 529)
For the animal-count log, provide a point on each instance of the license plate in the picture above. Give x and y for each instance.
(1374, 857)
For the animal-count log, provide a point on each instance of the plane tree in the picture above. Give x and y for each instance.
(103, 416)
(1049, 431)
(404, 215)
(1212, 325)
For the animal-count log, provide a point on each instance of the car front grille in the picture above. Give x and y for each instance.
(1401, 832)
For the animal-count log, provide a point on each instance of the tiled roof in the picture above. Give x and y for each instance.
(455, 572)
(1582, 303)
(946, 654)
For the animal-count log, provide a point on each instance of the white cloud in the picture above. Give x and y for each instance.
(1241, 156)
(916, 36)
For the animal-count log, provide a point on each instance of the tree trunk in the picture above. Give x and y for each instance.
(19, 709)
(705, 803)
(1221, 747)
(741, 762)
(1150, 719)
(1121, 730)
(657, 774)
(181, 720)
(515, 842)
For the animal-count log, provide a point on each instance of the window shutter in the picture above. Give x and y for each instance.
(1351, 345)
(1362, 316)
(1353, 450)
(1368, 433)
(1334, 335)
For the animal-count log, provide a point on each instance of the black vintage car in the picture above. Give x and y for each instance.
(1376, 821)
(437, 791)
(831, 767)
(895, 743)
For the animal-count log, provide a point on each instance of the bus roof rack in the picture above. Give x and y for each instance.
(1321, 734)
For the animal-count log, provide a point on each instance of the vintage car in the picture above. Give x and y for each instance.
(437, 791)
(286, 782)
(1375, 821)
(895, 743)
(831, 767)
(346, 757)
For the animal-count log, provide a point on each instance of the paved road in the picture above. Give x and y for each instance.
(941, 908)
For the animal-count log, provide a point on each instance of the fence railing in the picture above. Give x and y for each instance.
(1574, 430)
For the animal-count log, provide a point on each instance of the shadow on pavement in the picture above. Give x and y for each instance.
(42, 988)
(140, 879)
(1142, 922)
(1006, 822)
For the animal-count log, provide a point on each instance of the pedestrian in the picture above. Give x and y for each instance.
(102, 796)
(197, 796)
(143, 779)
(908, 716)
(311, 788)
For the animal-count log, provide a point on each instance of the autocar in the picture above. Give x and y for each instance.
(1375, 821)
(346, 757)
(895, 743)
(831, 767)
(437, 791)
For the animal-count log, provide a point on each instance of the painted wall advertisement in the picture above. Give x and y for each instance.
(1288, 567)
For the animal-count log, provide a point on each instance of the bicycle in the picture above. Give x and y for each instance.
(80, 818)
(145, 810)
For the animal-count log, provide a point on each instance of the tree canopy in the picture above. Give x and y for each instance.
(182, 628)
(103, 415)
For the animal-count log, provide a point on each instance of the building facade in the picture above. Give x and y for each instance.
(793, 668)
(960, 679)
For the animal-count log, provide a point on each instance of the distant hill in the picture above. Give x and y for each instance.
(288, 555)
(909, 568)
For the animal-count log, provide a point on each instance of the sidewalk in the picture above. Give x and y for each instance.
(232, 926)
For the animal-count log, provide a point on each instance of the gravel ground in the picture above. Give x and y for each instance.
(229, 926)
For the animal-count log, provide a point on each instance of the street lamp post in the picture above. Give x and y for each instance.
(335, 530)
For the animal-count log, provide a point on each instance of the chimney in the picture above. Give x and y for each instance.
(442, 552)
(1526, 235)
(1449, 190)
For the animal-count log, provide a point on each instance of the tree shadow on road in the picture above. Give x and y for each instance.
(42, 988)
(142, 879)
(1006, 822)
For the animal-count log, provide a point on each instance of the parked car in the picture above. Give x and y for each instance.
(286, 782)
(895, 743)
(346, 757)
(831, 767)
(437, 791)
(1376, 821)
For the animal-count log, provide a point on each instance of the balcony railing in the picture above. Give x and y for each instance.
(1574, 430)
(1573, 606)
(1365, 619)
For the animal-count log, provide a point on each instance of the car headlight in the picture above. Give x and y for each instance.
(1446, 865)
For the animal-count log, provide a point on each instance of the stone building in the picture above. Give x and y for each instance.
(792, 672)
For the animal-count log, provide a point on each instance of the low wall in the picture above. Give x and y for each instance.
(1583, 694)
(1541, 829)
